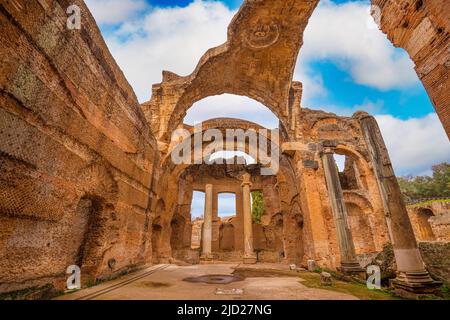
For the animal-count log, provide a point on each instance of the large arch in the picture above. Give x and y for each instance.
(420, 220)
(256, 61)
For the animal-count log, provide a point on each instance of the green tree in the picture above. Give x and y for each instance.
(257, 206)
(441, 178)
(436, 186)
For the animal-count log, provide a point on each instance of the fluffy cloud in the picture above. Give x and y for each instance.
(415, 144)
(115, 11)
(171, 39)
(346, 34)
(231, 106)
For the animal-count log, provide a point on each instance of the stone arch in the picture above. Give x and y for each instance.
(259, 65)
(368, 196)
(186, 103)
(94, 243)
(424, 229)
(331, 127)
(361, 221)
(364, 175)
(220, 124)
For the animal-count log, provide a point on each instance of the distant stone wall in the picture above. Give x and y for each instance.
(76, 153)
(437, 258)
(431, 222)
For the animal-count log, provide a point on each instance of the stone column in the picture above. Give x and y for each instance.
(215, 222)
(207, 224)
(249, 254)
(411, 273)
(239, 226)
(349, 263)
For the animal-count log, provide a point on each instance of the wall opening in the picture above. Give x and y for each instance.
(231, 106)
(226, 205)
(197, 213)
(257, 205)
(348, 172)
(423, 220)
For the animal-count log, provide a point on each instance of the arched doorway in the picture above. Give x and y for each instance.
(425, 232)
(360, 229)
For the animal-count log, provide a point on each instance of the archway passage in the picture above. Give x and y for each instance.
(232, 107)
(256, 38)
(361, 230)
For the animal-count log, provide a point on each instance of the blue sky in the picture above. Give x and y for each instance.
(346, 64)
(232, 4)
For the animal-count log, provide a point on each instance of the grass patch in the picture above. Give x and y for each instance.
(33, 293)
(312, 280)
(354, 288)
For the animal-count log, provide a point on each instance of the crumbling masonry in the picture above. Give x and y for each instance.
(86, 176)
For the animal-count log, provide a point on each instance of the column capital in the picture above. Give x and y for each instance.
(327, 150)
(246, 180)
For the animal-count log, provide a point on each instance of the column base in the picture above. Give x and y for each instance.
(352, 269)
(206, 257)
(249, 259)
(414, 284)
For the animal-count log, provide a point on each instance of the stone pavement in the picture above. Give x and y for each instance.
(165, 282)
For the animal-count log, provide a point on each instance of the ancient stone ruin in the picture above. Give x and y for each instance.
(87, 178)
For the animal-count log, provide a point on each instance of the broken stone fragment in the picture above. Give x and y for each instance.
(232, 291)
(311, 265)
(325, 279)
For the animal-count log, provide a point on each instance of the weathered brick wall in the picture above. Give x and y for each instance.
(422, 28)
(433, 217)
(76, 153)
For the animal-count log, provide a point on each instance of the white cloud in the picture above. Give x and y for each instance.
(115, 11)
(414, 144)
(341, 33)
(171, 39)
(198, 204)
(231, 106)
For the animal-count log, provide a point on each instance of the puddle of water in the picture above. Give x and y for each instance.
(215, 278)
